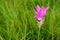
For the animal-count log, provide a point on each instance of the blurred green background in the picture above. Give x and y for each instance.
(17, 20)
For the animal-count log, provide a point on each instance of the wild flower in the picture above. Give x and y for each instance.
(40, 14)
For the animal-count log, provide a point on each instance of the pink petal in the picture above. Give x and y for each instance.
(37, 7)
(36, 16)
(47, 8)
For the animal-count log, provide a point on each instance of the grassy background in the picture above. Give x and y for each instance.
(17, 20)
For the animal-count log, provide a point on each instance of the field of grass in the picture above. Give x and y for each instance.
(17, 20)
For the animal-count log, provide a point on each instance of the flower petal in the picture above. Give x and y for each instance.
(37, 7)
(47, 8)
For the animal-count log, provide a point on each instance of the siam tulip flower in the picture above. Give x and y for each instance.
(41, 13)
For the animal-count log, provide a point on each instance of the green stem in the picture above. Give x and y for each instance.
(52, 34)
(39, 34)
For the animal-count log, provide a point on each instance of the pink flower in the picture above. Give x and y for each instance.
(41, 12)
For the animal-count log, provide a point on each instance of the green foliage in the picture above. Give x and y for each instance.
(17, 20)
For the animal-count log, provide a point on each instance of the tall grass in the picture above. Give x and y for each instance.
(17, 20)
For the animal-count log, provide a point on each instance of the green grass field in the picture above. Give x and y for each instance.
(17, 20)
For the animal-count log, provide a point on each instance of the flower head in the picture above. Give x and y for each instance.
(41, 12)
